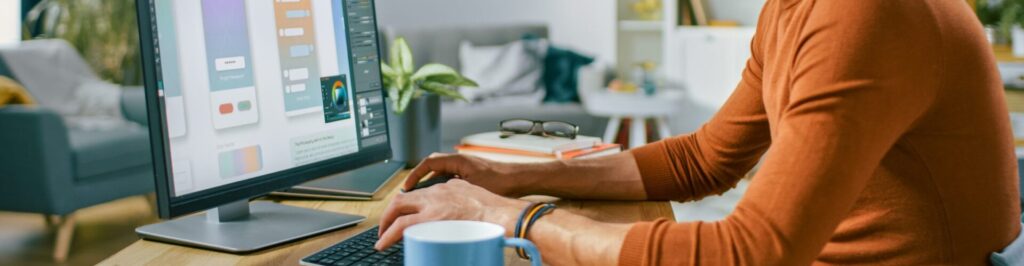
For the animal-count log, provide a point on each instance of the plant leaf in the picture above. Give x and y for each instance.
(404, 56)
(388, 81)
(441, 89)
(393, 95)
(388, 75)
(465, 82)
(387, 71)
(405, 96)
(435, 71)
(395, 56)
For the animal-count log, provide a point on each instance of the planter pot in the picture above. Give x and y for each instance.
(416, 133)
(1017, 35)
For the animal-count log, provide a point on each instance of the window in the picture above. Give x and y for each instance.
(10, 22)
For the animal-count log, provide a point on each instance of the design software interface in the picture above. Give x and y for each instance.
(256, 87)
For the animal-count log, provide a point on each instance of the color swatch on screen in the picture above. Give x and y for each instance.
(228, 56)
(241, 161)
(336, 98)
(300, 69)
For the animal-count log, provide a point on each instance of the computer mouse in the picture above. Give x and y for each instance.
(434, 180)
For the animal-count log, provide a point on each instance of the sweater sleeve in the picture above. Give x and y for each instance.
(858, 83)
(715, 157)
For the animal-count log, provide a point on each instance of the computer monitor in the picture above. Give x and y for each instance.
(247, 97)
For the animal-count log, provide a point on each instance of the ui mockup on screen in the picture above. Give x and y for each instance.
(251, 88)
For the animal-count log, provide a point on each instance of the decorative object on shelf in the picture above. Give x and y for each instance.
(723, 23)
(1017, 34)
(620, 86)
(104, 32)
(699, 13)
(415, 104)
(692, 13)
(644, 76)
(647, 9)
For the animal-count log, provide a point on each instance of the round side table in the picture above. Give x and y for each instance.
(637, 107)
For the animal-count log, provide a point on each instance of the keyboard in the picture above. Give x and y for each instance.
(356, 251)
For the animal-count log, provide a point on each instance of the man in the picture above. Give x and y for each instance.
(885, 139)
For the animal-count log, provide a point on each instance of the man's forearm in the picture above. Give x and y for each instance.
(609, 177)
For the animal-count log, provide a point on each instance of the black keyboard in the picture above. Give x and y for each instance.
(357, 251)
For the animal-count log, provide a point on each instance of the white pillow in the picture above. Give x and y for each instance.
(511, 69)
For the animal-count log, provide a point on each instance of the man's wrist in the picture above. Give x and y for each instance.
(506, 215)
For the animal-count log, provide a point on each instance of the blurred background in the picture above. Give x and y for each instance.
(636, 71)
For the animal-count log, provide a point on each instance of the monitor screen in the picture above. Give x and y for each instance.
(250, 89)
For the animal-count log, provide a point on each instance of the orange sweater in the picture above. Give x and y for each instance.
(885, 137)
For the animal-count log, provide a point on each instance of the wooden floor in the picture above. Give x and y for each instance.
(101, 231)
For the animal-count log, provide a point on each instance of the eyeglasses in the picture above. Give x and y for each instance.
(539, 128)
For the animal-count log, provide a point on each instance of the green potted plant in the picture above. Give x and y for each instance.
(414, 102)
(1011, 19)
(990, 14)
(103, 31)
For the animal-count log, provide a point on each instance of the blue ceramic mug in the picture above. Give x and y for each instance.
(461, 243)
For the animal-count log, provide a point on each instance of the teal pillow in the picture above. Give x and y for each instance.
(561, 71)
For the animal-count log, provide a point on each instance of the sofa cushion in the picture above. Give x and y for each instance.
(441, 44)
(96, 153)
(561, 74)
(514, 68)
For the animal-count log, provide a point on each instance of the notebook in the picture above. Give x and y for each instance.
(531, 143)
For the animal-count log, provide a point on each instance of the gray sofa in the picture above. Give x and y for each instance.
(441, 45)
(51, 168)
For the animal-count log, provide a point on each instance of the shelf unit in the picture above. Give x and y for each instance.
(639, 40)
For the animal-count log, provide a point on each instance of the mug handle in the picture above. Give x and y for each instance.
(528, 246)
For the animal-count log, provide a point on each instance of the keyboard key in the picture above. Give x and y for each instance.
(357, 250)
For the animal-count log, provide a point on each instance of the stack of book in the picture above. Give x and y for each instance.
(533, 149)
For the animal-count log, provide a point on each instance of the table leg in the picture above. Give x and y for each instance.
(663, 131)
(612, 130)
(637, 132)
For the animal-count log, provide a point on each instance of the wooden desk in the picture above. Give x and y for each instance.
(155, 253)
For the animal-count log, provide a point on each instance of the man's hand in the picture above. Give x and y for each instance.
(454, 200)
(497, 177)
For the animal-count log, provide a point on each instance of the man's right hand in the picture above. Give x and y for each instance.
(494, 176)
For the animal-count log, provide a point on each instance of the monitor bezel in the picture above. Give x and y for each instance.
(168, 206)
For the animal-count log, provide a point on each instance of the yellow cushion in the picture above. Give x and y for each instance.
(13, 93)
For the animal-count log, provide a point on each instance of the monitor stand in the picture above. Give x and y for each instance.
(240, 227)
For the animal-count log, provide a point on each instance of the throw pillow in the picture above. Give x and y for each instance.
(561, 71)
(12, 93)
(511, 69)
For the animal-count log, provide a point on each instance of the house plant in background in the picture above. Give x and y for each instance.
(415, 106)
(103, 31)
(1011, 20)
(989, 12)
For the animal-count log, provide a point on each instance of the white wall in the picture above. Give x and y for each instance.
(10, 22)
(584, 25)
